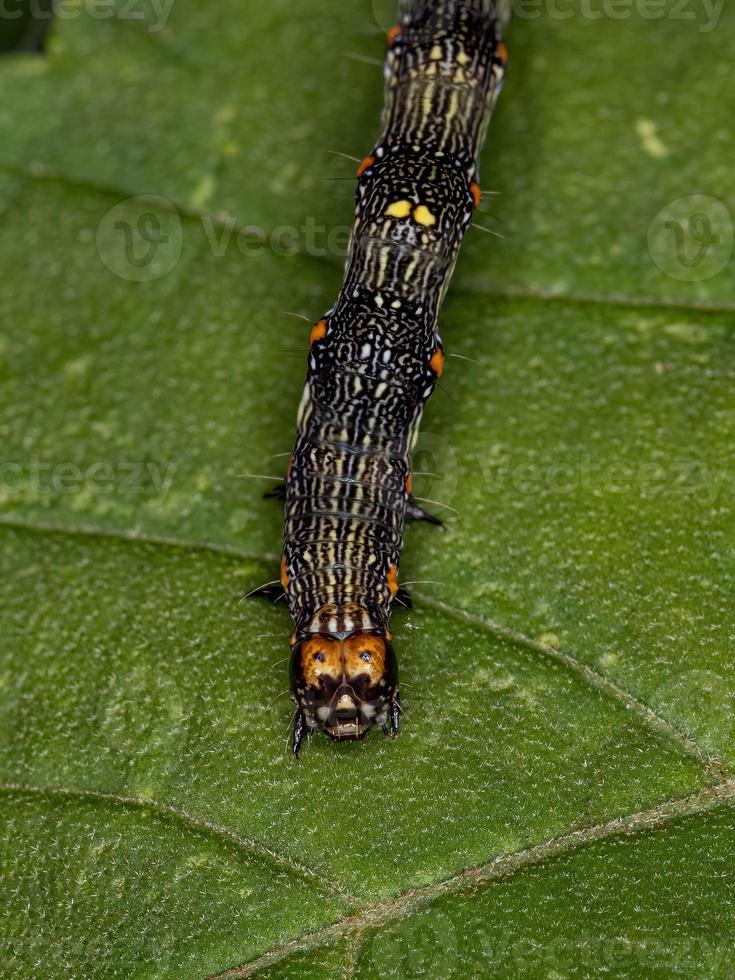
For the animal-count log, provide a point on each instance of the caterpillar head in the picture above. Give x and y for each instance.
(344, 685)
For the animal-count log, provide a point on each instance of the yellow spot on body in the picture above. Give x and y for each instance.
(436, 53)
(399, 209)
(652, 142)
(462, 57)
(423, 216)
(318, 331)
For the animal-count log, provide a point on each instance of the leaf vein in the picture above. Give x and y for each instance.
(712, 765)
(503, 866)
(44, 172)
(191, 822)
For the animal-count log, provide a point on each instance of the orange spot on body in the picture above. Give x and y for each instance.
(393, 34)
(367, 162)
(437, 362)
(392, 579)
(318, 331)
(476, 193)
(502, 52)
(284, 573)
(409, 483)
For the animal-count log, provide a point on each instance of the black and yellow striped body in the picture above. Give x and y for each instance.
(376, 354)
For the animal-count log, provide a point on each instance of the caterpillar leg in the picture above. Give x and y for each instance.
(391, 727)
(416, 513)
(278, 492)
(395, 714)
(299, 730)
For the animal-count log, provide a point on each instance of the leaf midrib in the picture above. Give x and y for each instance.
(502, 866)
(363, 916)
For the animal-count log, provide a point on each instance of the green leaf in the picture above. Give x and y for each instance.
(559, 802)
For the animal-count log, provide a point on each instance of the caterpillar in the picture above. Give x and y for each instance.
(374, 360)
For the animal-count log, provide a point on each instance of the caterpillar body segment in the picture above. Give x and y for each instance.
(374, 360)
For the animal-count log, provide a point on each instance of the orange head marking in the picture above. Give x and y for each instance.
(393, 34)
(392, 580)
(409, 483)
(318, 331)
(476, 193)
(284, 573)
(367, 162)
(365, 653)
(320, 659)
(344, 685)
(437, 362)
(502, 52)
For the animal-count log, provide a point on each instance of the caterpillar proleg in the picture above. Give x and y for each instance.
(374, 359)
